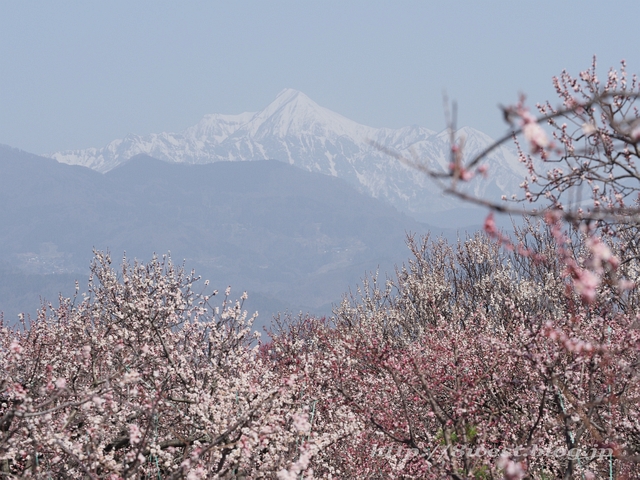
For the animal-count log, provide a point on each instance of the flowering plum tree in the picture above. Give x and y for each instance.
(144, 378)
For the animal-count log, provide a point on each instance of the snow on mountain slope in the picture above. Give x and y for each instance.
(296, 130)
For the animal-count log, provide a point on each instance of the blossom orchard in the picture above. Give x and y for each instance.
(504, 343)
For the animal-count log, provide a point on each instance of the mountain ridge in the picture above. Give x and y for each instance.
(296, 130)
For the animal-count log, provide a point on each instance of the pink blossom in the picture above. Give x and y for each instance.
(512, 470)
(490, 225)
(15, 347)
(589, 129)
(135, 435)
(533, 132)
(536, 136)
(462, 173)
(635, 132)
(197, 474)
(585, 284)
(300, 465)
(287, 475)
(601, 253)
(301, 423)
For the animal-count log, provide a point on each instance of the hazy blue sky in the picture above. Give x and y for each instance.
(79, 74)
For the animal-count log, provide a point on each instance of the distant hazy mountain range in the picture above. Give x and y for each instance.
(296, 130)
(294, 240)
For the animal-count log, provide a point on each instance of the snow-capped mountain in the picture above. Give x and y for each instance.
(296, 130)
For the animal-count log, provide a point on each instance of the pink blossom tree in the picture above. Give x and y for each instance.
(477, 362)
(525, 344)
(580, 156)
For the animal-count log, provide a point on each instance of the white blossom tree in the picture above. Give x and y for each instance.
(143, 377)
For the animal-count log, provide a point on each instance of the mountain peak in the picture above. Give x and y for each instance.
(289, 103)
(294, 113)
(290, 94)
